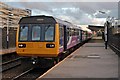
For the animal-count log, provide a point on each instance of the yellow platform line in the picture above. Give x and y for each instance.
(56, 65)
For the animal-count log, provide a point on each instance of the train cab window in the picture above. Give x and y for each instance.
(36, 30)
(49, 33)
(24, 33)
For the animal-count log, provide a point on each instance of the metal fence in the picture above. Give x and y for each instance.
(12, 37)
(114, 40)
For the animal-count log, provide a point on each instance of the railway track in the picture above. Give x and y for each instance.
(9, 61)
(9, 56)
(30, 74)
(10, 64)
(19, 76)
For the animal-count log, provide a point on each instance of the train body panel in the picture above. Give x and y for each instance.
(37, 49)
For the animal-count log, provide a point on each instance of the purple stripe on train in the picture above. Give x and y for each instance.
(72, 42)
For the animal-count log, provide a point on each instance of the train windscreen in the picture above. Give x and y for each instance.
(24, 33)
(37, 32)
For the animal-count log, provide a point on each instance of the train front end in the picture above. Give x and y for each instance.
(37, 37)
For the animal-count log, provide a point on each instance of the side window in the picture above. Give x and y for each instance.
(23, 33)
(72, 32)
(36, 30)
(77, 32)
(68, 34)
(61, 34)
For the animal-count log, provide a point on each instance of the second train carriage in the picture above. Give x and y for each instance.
(46, 37)
(85, 32)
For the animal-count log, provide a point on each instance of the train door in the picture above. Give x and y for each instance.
(61, 38)
(80, 34)
(65, 38)
(86, 35)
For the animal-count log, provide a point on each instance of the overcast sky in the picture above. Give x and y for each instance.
(75, 11)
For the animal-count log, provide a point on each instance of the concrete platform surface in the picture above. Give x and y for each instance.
(6, 51)
(89, 61)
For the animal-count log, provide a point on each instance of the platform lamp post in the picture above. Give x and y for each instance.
(10, 14)
(107, 23)
(7, 32)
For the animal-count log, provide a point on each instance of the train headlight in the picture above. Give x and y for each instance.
(50, 45)
(21, 45)
(34, 62)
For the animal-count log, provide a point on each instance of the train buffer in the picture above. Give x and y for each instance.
(89, 61)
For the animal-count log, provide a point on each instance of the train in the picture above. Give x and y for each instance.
(46, 37)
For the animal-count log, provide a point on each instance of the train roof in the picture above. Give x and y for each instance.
(42, 19)
(37, 19)
(85, 28)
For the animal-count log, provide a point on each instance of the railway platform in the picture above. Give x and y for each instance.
(7, 51)
(89, 62)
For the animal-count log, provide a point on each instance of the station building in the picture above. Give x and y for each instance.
(9, 18)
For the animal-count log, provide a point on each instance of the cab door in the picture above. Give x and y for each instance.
(65, 38)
